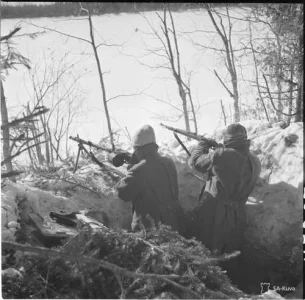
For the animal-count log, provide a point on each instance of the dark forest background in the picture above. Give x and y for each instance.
(61, 9)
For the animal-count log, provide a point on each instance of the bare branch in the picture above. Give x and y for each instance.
(59, 32)
(165, 102)
(128, 95)
(25, 119)
(6, 160)
(271, 99)
(7, 37)
(230, 93)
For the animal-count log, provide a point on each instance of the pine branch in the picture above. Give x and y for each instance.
(104, 264)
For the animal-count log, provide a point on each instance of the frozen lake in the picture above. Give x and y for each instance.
(125, 72)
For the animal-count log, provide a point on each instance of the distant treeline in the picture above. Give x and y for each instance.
(60, 9)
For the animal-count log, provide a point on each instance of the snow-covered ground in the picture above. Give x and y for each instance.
(274, 209)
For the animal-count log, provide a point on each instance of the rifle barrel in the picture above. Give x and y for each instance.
(184, 132)
(81, 141)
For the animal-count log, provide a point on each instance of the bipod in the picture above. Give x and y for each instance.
(80, 148)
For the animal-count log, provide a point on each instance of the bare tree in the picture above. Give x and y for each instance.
(261, 98)
(226, 36)
(57, 87)
(9, 59)
(95, 47)
(281, 57)
(169, 51)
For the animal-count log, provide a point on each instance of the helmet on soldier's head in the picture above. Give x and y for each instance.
(235, 132)
(145, 135)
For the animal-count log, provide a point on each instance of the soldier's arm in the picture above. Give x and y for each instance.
(129, 187)
(201, 160)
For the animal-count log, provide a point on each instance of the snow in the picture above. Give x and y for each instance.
(274, 209)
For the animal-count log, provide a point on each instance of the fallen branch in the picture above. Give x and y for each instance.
(25, 119)
(10, 174)
(104, 264)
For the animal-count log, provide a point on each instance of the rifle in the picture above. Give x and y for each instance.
(189, 134)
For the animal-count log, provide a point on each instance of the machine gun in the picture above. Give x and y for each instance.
(90, 144)
(81, 147)
(191, 135)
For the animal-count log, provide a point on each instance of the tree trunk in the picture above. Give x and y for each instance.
(184, 105)
(193, 111)
(36, 141)
(256, 75)
(223, 112)
(299, 104)
(299, 101)
(230, 64)
(290, 94)
(51, 143)
(47, 143)
(5, 133)
(101, 79)
(236, 100)
(278, 70)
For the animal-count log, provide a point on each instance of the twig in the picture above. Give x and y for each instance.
(75, 183)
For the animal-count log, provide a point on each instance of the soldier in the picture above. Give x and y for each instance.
(232, 174)
(151, 183)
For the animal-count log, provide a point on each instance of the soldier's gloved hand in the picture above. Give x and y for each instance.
(209, 142)
(120, 158)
